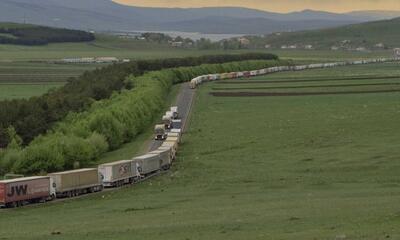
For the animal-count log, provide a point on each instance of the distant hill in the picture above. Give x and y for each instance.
(375, 14)
(104, 15)
(26, 34)
(248, 25)
(378, 34)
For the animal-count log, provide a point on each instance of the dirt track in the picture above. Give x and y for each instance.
(292, 94)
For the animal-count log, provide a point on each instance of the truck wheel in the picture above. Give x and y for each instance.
(11, 205)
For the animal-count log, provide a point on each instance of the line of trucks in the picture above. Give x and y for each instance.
(221, 76)
(39, 189)
(21, 191)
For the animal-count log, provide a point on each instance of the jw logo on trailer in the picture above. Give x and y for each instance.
(20, 190)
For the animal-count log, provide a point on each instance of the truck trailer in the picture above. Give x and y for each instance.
(118, 173)
(76, 182)
(21, 191)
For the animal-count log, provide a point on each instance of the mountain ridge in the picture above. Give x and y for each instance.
(104, 15)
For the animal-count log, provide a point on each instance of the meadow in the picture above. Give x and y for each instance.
(289, 167)
(33, 64)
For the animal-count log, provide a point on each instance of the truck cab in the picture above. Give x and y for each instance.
(167, 121)
(160, 133)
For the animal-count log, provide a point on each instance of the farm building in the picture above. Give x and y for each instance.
(176, 44)
(244, 41)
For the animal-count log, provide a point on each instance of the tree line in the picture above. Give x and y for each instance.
(81, 138)
(34, 116)
(38, 35)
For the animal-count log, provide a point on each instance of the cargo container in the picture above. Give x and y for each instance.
(20, 191)
(148, 164)
(76, 182)
(170, 150)
(253, 73)
(118, 173)
(176, 124)
(172, 144)
(192, 84)
(175, 134)
(165, 156)
(224, 75)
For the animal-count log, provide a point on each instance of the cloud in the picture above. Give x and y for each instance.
(276, 5)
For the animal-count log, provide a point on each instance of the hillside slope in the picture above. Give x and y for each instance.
(366, 35)
(108, 15)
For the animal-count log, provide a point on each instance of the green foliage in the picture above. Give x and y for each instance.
(112, 122)
(34, 116)
(25, 34)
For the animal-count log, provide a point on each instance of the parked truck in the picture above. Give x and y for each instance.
(173, 145)
(159, 131)
(176, 124)
(76, 182)
(165, 156)
(20, 191)
(170, 149)
(148, 164)
(176, 135)
(167, 121)
(175, 113)
(118, 173)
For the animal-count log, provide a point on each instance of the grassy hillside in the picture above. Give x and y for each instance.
(359, 35)
(290, 168)
(26, 34)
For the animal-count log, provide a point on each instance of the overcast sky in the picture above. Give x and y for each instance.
(276, 5)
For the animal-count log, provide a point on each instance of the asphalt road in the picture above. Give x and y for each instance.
(184, 102)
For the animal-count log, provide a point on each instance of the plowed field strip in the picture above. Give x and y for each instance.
(306, 80)
(309, 86)
(289, 94)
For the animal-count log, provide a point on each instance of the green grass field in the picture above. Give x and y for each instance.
(292, 168)
(32, 64)
(27, 79)
(17, 91)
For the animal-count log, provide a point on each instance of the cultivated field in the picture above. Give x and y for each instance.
(30, 64)
(27, 79)
(273, 167)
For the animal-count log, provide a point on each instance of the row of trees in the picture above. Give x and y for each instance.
(34, 116)
(38, 35)
(81, 138)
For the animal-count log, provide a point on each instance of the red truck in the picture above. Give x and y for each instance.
(20, 191)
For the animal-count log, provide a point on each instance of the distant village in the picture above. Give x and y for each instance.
(245, 42)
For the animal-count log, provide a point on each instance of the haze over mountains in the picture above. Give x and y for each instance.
(103, 15)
